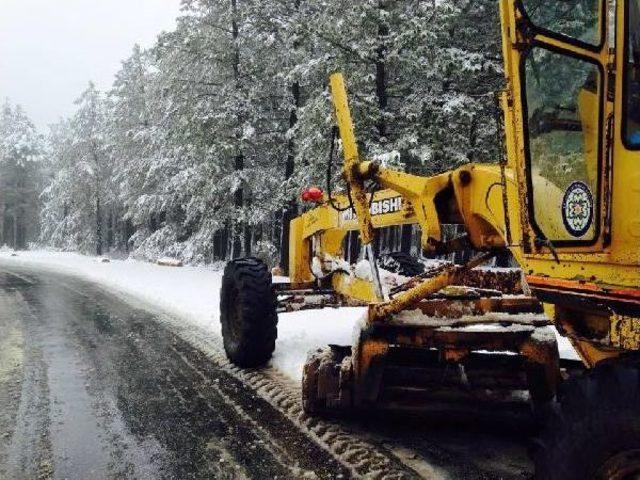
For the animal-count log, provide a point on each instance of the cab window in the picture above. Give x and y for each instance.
(578, 20)
(562, 99)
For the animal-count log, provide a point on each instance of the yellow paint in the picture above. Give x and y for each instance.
(351, 158)
(625, 332)
(353, 287)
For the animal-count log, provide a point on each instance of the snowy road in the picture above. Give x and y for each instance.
(97, 385)
(92, 388)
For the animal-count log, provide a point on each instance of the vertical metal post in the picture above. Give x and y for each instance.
(352, 177)
(375, 273)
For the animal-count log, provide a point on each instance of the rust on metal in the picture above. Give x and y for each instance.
(504, 280)
(587, 296)
(442, 344)
(625, 332)
(445, 308)
(456, 354)
(420, 365)
(450, 275)
(305, 296)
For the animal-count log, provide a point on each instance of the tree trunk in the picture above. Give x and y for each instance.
(290, 210)
(20, 228)
(3, 233)
(15, 231)
(110, 229)
(18, 208)
(248, 240)
(98, 227)
(238, 203)
(224, 243)
(381, 70)
(406, 231)
(383, 96)
(248, 235)
(217, 245)
(230, 243)
(129, 230)
(239, 159)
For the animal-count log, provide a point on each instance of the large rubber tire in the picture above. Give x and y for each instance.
(402, 264)
(313, 403)
(248, 313)
(595, 431)
(321, 379)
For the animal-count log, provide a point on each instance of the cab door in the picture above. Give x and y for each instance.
(557, 56)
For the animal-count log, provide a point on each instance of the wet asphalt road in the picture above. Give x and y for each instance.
(92, 387)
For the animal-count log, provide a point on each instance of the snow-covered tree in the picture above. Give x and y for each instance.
(205, 140)
(82, 188)
(21, 169)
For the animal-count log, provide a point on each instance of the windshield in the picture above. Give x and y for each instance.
(578, 20)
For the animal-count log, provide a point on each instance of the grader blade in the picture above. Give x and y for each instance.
(295, 298)
(461, 350)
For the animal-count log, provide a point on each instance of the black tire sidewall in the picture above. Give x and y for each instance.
(248, 314)
(598, 417)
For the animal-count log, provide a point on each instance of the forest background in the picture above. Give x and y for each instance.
(201, 148)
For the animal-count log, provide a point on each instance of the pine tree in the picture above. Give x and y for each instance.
(21, 177)
(82, 188)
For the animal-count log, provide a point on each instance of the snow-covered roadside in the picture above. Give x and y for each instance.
(192, 294)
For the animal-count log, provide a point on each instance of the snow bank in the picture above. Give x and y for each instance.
(192, 294)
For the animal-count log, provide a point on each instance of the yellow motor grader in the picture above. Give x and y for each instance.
(564, 200)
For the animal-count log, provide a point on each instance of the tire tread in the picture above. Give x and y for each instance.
(257, 302)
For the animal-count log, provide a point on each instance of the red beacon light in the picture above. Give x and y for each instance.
(312, 194)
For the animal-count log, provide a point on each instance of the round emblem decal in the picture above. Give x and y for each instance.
(577, 209)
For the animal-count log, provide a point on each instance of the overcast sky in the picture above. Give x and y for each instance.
(50, 49)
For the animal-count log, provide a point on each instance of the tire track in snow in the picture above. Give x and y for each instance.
(362, 458)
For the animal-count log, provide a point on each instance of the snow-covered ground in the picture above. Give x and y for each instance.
(192, 294)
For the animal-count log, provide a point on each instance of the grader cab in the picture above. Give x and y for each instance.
(564, 200)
